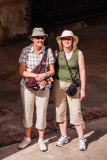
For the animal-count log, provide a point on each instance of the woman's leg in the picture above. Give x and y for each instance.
(28, 99)
(63, 139)
(28, 108)
(41, 134)
(42, 98)
(41, 141)
(81, 142)
(63, 127)
(76, 118)
(80, 130)
(60, 103)
(75, 113)
(27, 132)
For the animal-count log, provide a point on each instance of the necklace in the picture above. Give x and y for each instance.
(68, 55)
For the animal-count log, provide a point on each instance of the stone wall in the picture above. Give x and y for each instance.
(15, 19)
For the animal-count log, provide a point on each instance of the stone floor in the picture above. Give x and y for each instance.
(95, 137)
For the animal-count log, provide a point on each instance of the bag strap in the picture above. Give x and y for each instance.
(43, 58)
(72, 76)
(57, 56)
(56, 62)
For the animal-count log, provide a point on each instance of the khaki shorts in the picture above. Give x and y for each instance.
(61, 99)
(40, 100)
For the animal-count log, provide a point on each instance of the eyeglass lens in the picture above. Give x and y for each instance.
(37, 37)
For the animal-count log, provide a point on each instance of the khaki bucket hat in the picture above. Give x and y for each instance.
(38, 32)
(67, 33)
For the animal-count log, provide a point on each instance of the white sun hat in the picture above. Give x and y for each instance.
(67, 33)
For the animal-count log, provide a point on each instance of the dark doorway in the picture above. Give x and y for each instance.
(39, 16)
(47, 13)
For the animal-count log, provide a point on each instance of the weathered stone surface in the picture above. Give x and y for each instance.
(1, 35)
(15, 19)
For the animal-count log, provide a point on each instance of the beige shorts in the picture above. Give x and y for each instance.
(40, 100)
(61, 99)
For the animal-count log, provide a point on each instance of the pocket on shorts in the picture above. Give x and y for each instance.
(64, 85)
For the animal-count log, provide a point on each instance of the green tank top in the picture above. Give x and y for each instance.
(62, 72)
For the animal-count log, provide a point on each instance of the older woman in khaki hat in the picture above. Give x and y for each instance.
(75, 59)
(31, 57)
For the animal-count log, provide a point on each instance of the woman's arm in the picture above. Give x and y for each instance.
(55, 54)
(82, 74)
(51, 72)
(24, 73)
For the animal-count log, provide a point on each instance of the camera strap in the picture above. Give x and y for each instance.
(72, 76)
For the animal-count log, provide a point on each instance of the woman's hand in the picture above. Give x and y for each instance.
(40, 77)
(24, 73)
(43, 83)
(82, 94)
(50, 71)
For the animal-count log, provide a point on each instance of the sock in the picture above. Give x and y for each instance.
(64, 135)
(81, 138)
(40, 139)
(28, 139)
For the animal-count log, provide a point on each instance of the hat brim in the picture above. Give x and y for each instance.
(75, 37)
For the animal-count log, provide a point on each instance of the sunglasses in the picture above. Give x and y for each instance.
(37, 37)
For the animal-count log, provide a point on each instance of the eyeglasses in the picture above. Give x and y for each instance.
(37, 37)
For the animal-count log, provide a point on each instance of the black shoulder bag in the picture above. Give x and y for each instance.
(72, 90)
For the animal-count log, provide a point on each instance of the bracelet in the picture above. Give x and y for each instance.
(46, 73)
(82, 88)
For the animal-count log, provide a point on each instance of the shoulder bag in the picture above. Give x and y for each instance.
(32, 83)
(72, 90)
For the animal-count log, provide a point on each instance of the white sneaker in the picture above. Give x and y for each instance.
(81, 144)
(24, 143)
(42, 145)
(62, 140)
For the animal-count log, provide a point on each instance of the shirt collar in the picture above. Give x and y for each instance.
(41, 51)
(32, 49)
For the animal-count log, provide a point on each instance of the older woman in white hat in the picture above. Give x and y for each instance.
(30, 58)
(75, 59)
